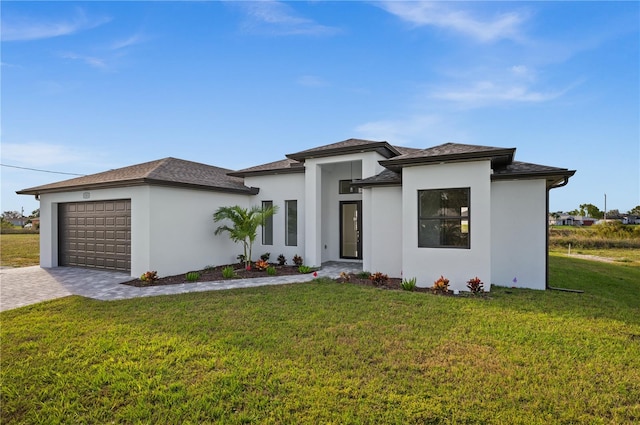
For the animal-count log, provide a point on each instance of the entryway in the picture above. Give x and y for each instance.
(350, 226)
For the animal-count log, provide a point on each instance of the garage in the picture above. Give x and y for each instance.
(95, 234)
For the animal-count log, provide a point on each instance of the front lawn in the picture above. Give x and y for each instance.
(324, 352)
(19, 250)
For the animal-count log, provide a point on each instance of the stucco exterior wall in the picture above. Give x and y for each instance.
(171, 229)
(383, 230)
(518, 239)
(182, 230)
(458, 265)
(322, 200)
(278, 189)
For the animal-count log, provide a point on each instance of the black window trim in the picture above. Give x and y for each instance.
(468, 218)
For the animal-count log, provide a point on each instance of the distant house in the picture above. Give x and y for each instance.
(445, 210)
(571, 220)
(18, 221)
(631, 219)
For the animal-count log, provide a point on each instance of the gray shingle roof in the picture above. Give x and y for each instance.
(344, 147)
(166, 172)
(277, 167)
(518, 169)
(450, 152)
(385, 178)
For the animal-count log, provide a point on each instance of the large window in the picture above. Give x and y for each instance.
(267, 225)
(291, 221)
(443, 218)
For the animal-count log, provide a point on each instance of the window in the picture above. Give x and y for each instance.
(443, 218)
(267, 225)
(345, 188)
(291, 221)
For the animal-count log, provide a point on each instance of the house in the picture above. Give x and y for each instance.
(445, 210)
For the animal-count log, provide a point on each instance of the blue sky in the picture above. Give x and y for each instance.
(91, 86)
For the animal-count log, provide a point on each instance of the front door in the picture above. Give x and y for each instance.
(350, 225)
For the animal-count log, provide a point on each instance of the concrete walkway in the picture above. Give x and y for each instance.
(30, 285)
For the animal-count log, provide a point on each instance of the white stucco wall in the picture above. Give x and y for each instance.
(171, 229)
(322, 200)
(383, 230)
(278, 189)
(182, 230)
(458, 265)
(518, 239)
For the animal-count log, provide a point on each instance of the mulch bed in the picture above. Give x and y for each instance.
(215, 274)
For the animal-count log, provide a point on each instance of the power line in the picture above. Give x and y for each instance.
(42, 171)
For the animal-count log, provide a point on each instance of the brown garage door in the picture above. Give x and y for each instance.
(95, 234)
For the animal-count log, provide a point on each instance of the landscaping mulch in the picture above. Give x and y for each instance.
(215, 274)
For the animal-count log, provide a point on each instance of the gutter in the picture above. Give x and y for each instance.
(546, 282)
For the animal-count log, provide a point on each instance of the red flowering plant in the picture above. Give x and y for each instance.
(261, 265)
(378, 278)
(475, 285)
(441, 286)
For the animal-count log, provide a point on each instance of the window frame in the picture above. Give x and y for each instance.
(442, 218)
(351, 189)
(289, 225)
(267, 225)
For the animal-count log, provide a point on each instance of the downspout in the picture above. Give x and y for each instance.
(546, 283)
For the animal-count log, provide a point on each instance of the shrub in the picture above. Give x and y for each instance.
(261, 265)
(378, 278)
(150, 276)
(475, 285)
(441, 285)
(228, 272)
(271, 271)
(297, 260)
(409, 284)
(282, 260)
(304, 269)
(265, 256)
(193, 276)
(241, 258)
(364, 275)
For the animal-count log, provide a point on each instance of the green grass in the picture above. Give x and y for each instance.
(19, 250)
(324, 352)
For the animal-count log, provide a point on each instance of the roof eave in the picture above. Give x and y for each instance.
(552, 177)
(137, 182)
(383, 148)
(497, 157)
(266, 172)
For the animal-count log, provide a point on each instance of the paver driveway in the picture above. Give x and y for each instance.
(30, 285)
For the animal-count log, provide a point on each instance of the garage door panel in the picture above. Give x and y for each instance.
(95, 234)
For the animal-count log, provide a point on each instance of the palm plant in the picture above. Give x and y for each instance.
(244, 224)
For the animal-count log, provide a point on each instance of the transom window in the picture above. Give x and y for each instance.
(443, 218)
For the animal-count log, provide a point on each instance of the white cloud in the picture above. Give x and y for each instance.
(89, 60)
(39, 154)
(482, 93)
(278, 18)
(443, 15)
(127, 42)
(425, 129)
(26, 29)
(311, 81)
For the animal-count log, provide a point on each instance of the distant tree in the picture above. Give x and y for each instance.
(575, 212)
(244, 224)
(613, 213)
(590, 210)
(11, 215)
(635, 210)
(35, 213)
